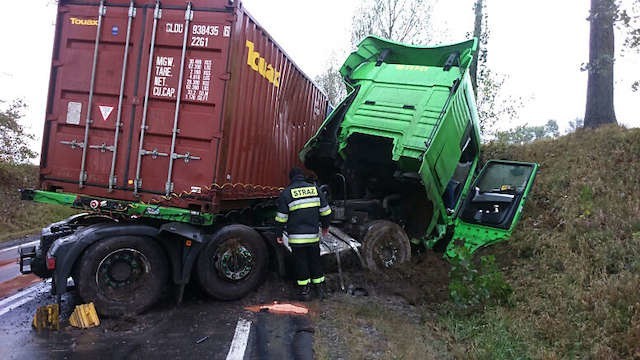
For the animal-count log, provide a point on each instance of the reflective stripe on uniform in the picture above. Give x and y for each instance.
(303, 238)
(280, 217)
(318, 280)
(325, 210)
(304, 203)
(304, 282)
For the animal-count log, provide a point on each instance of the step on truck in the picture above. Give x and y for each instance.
(173, 126)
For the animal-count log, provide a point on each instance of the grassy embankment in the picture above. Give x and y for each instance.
(574, 260)
(573, 264)
(17, 217)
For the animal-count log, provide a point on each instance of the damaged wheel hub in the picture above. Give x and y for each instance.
(234, 262)
(386, 253)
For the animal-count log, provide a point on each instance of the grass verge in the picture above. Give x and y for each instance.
(574, 260)
(19, 218)
(375, 328)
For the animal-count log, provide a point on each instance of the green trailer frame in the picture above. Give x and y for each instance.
(117, 208)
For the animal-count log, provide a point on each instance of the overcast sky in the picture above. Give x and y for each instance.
(539, 45)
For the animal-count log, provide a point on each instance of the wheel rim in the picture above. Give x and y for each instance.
(121, 271)
(386, 250)
(233, 261)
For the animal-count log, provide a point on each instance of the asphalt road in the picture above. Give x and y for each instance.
(8, 261)
(11, 280)
(198, 328)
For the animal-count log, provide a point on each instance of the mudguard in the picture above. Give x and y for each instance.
(68, 249)
(182, 254)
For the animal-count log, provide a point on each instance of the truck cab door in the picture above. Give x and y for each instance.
(493, 204)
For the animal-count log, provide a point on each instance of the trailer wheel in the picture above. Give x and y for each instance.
(122, 275)
(385, 244)
(233, 263)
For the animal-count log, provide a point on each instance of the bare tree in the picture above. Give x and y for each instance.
(331, 82)
(494, 104)
(575, 124)
(630, 19)
(481, 32)
(399, 20)
(404, 21)
(599, 109)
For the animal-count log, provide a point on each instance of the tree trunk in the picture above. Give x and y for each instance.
(477, 33)
(599, 110)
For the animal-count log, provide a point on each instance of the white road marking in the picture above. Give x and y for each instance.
(21, 245)
(22, 293)
(23, 297)
(18, 303)
(239, 342)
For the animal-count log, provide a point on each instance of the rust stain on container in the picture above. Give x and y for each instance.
(241, 109)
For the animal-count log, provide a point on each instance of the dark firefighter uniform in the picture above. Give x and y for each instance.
(301, 209)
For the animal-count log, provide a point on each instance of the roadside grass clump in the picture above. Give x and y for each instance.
(473, 285)
(375, 328)
(574, 260)
(490, 334)
(17, 217)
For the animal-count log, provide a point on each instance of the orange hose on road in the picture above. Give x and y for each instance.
(277, 308)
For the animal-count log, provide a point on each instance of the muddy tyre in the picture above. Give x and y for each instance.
(233, 263)
(122, 275)
(385, 244)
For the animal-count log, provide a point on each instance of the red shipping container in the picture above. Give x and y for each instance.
(193, 100)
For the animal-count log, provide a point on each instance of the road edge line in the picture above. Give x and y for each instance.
(18, 295)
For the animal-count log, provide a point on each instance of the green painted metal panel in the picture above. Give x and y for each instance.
(408, 96)
(124, 208)
(370, 49)
(476, 235)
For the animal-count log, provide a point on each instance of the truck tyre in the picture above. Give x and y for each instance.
(122, 275)
(385, 244)
(233, 263)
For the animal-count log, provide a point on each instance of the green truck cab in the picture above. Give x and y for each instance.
(403, 147)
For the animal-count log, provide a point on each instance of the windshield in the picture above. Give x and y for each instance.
(505, 177)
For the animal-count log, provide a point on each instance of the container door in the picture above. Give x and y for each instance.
(493, 205)
(89, 93)
(136, 97)
(177, 139)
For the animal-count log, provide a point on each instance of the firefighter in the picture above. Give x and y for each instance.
(301, 209)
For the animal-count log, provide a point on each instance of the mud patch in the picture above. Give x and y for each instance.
(391, 314)
(421, 281)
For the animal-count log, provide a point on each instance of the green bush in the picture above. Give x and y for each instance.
(474, 285)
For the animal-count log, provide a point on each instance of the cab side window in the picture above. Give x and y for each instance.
(469, 150)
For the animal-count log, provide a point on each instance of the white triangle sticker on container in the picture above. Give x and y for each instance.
(105, 111)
